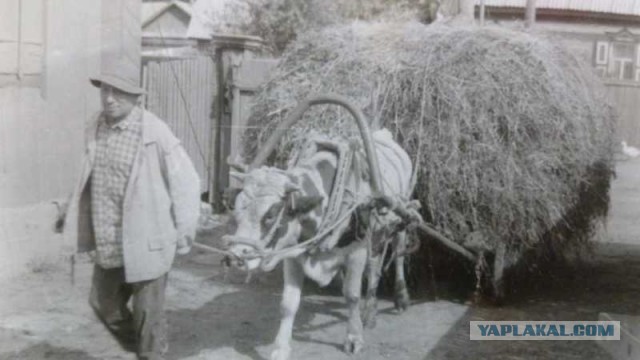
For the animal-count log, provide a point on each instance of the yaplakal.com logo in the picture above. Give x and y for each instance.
(544, 330)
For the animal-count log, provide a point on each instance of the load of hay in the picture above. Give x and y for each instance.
(511, 135)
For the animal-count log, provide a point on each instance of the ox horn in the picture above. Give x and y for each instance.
(237, 165)
(238, 176)
(290, 187)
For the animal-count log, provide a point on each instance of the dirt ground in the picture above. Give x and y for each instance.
(216, 315)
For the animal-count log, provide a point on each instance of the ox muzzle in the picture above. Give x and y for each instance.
(245, 253)
(248, 254)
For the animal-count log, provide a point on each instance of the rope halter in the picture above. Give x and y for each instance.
(258, 245)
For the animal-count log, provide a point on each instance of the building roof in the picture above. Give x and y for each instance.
(617, 7)
(152, 10)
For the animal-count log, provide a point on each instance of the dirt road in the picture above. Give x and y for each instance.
(210, 317)
(214, 315)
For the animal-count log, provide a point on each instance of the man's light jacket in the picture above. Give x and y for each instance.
(161, 202)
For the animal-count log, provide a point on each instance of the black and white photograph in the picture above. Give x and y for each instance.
(319, 179)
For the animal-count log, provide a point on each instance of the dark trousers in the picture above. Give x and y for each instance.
(145, 328)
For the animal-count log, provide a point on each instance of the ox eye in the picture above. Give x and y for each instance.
(269, 218)
(271, 215)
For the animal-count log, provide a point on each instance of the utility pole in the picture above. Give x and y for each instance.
(19, 43)
(530, 13)
(482, 12)
(466, 8)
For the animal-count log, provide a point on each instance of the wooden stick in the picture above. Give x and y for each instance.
(210, 248)
(429, 231)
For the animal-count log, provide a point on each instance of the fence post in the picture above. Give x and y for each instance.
(227, 48)
(219, 166)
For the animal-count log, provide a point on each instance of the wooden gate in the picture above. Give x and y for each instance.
(245, 78)
(182, 92)
(245, 81)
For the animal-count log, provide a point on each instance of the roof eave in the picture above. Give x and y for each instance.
(573, 15)
(164, 9)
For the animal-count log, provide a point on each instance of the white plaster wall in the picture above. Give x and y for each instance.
(41, 135)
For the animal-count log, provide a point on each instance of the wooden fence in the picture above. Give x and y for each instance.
(182, 92)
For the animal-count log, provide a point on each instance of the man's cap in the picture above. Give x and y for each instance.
(121, 75)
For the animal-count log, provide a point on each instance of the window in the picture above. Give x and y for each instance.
(618, 57)
(622, 60)
(637, 77)
(602, 53)
(21, 42)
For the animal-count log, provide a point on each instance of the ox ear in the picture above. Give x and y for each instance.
(298, 205)
(229, 196)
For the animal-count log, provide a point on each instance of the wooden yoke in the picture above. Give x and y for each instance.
(365, 133)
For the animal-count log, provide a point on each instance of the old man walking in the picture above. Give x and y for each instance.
(136, 204)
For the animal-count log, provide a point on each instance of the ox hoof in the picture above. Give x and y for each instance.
(402, 299)
(281, 354)
(353, 344)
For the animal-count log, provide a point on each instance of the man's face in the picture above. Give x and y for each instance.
(116, 103)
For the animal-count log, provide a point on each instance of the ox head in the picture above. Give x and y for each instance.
(269, 212)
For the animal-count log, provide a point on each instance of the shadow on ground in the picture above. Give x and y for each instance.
(608, 282)
(247, 320)
(44, 350)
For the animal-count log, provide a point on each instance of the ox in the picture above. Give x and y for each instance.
(277, 209)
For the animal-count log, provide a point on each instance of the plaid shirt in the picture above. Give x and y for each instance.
(116, 148)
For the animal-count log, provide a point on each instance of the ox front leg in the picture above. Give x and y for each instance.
(374, 270)
(352, 287)
(400, 289)
(293, 281)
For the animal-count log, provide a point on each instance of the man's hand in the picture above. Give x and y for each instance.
(183, 250)
(184, 245)
(60, 217)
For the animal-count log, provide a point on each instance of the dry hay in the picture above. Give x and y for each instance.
(508, 129)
